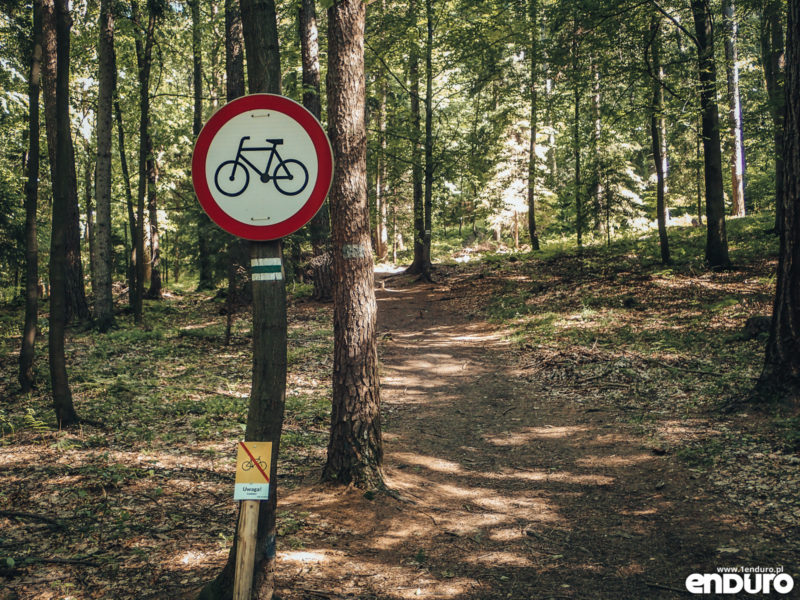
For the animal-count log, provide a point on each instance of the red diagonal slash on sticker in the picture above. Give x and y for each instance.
(255, 462)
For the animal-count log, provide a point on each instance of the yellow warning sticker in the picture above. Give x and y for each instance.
(252, 471)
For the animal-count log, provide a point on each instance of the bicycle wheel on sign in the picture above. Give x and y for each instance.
(290, 177)
(231, 178)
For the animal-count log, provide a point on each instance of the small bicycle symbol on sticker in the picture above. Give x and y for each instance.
(289, 176)
(248, 464)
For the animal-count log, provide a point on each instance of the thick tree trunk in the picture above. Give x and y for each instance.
(76, 306)
(103, 299)
(781, 374)
(355, 451)
(26, 355)
(533, 13)
(716, 235)
(320, 226)
(656, 120)
(62, 397)
(734, 107)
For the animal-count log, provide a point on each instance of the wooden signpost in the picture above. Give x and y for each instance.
(261, 169)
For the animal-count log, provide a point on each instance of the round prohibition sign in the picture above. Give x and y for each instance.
(262, 167)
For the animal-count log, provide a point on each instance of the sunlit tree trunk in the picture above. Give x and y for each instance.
(734, 107)
(355, 451)
(417, 264)
(26, 356)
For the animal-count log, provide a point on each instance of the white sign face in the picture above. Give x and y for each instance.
(261, 166)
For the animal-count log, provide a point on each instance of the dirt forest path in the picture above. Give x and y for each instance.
(505, 487)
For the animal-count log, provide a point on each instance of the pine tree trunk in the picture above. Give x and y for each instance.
(154, 293)
(62, 396)
(781, 374)
(734, 107)
(87, 198)
(772, 50)
(597, 195)
(76, 306)
(656, 120)
(716, 235)
(428, 204)
(26, 355)
(103, 299)
(576, 142)
(355, 451)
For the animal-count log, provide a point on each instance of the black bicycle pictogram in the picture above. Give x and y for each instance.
(248, 464)
(290, 176)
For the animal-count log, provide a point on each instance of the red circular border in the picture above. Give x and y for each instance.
(324, 157)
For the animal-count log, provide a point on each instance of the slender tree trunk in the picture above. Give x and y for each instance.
(203, 222)
(576, 142)
(76, 306)
(781, 374)
(734, 107)
(319, 228)
(772, 49)
(416, 135)
(656, 117)
(154, 293)
(87, 198)
(103, 299)
(428, 204)
(268, 390)
(62, 397)
(597, 131)
(26, 355)
(716, 238)
(355, 451)
(533, 14)
(123, 160)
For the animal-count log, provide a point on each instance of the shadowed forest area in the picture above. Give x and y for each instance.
(505, 292)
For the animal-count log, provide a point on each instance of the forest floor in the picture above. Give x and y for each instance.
(554, 427)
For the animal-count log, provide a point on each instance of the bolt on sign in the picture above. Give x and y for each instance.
(252, 471)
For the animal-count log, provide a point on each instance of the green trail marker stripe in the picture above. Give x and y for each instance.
(266, 269)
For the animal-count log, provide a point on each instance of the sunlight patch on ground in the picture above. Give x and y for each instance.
(304, 557)
(547, 476)
(614, 460)
(388, 268)
(506, 559)
(430, 462)
(535, 433)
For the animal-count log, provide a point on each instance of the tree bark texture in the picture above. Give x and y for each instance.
(319, 227)
(716, 235)
(103, 298)
(656, 119)
(76, 305)
(88, 180)
(27, 352)
(62, 396)
(734, 107)
(533, 14)
(428, 203)
(355, 451)
(781, 374)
